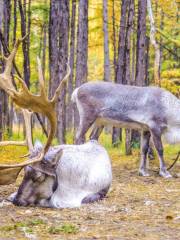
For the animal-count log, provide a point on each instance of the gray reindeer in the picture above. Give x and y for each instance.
(154, 111)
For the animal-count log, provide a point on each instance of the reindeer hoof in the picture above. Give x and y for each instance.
(143, 173)
(11, 197)
(165, 174)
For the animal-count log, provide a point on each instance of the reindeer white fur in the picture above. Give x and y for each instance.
(83, 175)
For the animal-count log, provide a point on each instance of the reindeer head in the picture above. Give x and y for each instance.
(39, 180)
(28, 101)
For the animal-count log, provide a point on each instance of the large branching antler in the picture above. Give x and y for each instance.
(6, 84)
(35, 103)
(39, 103)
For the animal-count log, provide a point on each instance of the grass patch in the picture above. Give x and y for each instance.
(66, 228)
(19, 225)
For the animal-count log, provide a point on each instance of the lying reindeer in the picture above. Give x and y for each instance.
(61, 176)
(67, 176)
(153, 110)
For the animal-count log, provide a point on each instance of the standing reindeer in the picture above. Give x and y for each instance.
(155, 111)
(60, 176)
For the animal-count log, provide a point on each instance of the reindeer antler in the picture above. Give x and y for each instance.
(39, 103)
(35, 103)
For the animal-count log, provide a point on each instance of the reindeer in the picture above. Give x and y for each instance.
(60, 176)
(67, 176)
(154, 111)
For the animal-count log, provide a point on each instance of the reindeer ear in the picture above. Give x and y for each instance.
(49, 164)
(56, 158)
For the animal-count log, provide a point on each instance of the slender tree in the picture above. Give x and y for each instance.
(141, 48)
(1, 66)
(128, 73)
(106, 42)
(141, 44)
(15, 21)
(25, 29)
(121, 67)
(82, 43)
(6, 28)
(71, 63)
(120, 71)
(82, 49)
(7, 19)
(114, 38)
(58, 57)
(154, 43)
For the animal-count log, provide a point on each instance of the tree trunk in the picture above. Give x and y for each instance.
(147, 62)
(71, 63)
(128, 73)
(140, 77)
(82, 49)
(15, 21)
(11, 110)
(25, 29)
(161, 47)
(120, 74)
(44, 49)
(155, 44)
(120, 71)
(7, 19)
(114, 38)
(141, 43)
(129, 31)
(5, 106)
(106, 42)
(58, 57)
(133, 57)
(1, 68)
(82, 43)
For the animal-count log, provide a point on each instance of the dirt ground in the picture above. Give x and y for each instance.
(135, 208)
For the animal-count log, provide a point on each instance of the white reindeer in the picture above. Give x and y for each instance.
(68, 176)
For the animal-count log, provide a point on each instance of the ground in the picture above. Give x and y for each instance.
(135, 208)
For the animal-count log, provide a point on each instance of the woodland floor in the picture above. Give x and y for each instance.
(135, 208)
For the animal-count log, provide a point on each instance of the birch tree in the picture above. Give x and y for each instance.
(154, 43)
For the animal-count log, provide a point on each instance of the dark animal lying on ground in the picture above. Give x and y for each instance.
(155, 111)
(68, 176)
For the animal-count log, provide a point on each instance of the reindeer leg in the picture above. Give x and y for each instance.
(84, 125)
(145, 137)
(96, 131)
(159, 147)
(95, 196)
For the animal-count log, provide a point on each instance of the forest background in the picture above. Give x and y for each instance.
(129, 42)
